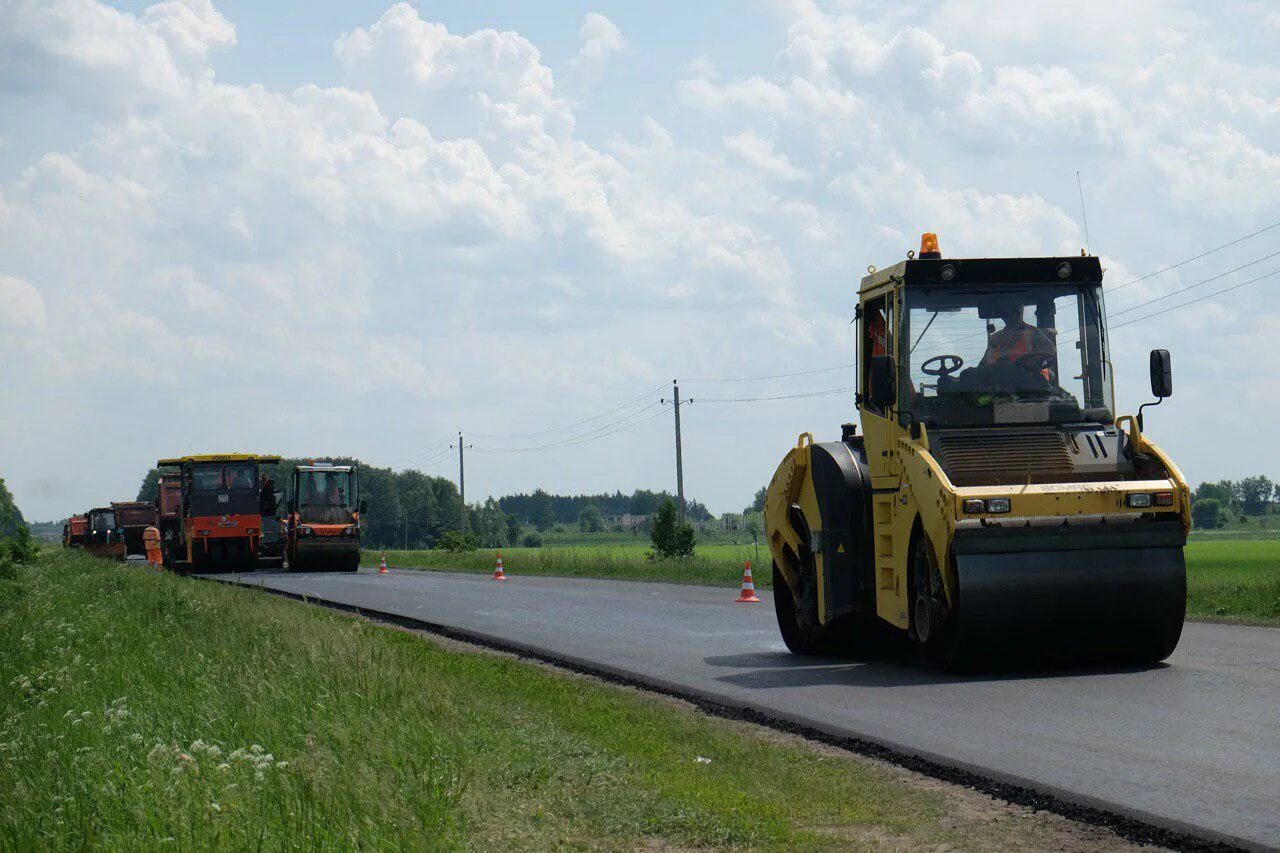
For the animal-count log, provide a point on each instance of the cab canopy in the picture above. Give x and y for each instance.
(216, 457)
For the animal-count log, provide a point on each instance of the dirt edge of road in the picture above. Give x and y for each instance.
(1133, 828)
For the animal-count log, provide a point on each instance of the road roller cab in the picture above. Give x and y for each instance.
(324, 518)
(993, 500)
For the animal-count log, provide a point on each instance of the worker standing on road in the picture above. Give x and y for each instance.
(151, 541)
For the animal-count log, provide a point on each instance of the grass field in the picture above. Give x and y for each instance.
(1234, 580)
(1228, 580)
(141, 709)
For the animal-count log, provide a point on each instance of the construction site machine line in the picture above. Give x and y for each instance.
(993, 506)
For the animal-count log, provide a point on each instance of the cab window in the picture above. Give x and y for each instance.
(877, 331)
(207, 479)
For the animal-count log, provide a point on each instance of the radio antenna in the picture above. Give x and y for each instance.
(1084, 217)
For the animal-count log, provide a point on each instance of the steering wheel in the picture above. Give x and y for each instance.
(1035, 362)
(947, 365)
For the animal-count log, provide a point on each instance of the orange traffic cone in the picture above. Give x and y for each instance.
(382, 565)
(497, 570)
(748, 594)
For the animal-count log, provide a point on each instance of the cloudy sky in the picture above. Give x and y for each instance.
(357, 228)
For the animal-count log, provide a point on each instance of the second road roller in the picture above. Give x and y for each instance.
(994, 505)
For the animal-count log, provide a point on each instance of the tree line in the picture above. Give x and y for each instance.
(545, 510)
(1214, 504)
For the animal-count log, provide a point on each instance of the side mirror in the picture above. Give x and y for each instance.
(1161, 380)
(364, 507)
(1161, 373)
(882, 382)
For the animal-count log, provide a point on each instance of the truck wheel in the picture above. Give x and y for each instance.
(933, 625)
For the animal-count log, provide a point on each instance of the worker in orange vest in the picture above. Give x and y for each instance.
(1017, 338)
(879, 335)
(151, 541)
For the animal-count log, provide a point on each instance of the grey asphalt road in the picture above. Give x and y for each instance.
(1191, 745)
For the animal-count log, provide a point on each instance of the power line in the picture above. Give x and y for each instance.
(780, 397)
(626, 405)
(590, 432)
(772, 376)
(1197, 299)
(568, 442)
(1203, 254)
(1155, 299)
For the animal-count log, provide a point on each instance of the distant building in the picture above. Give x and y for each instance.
(631, 522)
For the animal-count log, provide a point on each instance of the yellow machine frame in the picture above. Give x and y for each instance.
(909, 487)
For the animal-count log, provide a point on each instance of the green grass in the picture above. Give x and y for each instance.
(140, 709)
(1227, 580)
(1234, 580)
(713, 564)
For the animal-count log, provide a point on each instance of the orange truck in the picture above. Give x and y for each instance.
(324, 518)
(74, 531)
(132, 518)
(220, 517)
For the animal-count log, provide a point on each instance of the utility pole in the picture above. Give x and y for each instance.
(462, 471)
(675, 405)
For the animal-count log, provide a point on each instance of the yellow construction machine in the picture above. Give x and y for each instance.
(994, 504)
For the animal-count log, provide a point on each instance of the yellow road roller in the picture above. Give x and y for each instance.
(994, 505)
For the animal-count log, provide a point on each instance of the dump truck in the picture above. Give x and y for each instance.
(75, 531)
(169, 514)
(220, 523)
(324, 518)
(102, 538)
(994, 507)
(132, 518)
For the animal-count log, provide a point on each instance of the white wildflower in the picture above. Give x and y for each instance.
(702, 760)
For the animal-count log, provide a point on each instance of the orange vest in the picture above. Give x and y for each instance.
(879, 336)
(151, 536)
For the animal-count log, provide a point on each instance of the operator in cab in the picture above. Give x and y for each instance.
(1017, 338)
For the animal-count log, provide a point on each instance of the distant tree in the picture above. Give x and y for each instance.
(1222, 491)
(532, 540)
(11, 520)
(20, 547)
(590, 520)
(1253, 494)
(1206, 513)
(150, 485)
(757, 504)
(489, 523)
(545, 514)
(513, 529)
(697, 511)
(671, 537)
(455, 541)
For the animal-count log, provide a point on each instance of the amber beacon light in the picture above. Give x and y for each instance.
(929, 245)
